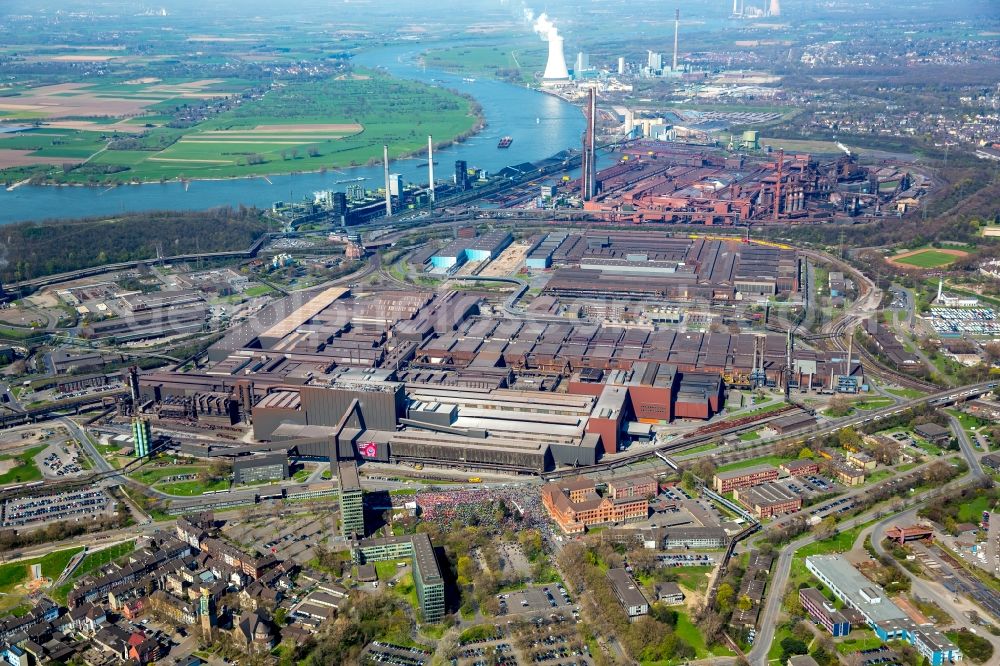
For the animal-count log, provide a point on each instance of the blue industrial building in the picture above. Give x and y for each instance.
(886, 619)
(482, 248)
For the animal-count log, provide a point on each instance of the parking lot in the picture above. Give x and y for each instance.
(37, 511)
(60, 460)
(292, 538)
(383, 653)
(552, 641)
(977, 321)
(536, 601)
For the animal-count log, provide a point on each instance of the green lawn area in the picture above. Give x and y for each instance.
(928, 258)
(879, 475)
(972, 512)
(150, 475)
(25, 471)
(301, 475)
(258, 290)
(693, 637)
(763, 460)
(191, 488)
(693, 578)
(388, 569)
(99, 558)
(701, 449)
(14, 573)
(750, 436)
(774, 653)
(873, 403)
(908, 393)
(858, 640)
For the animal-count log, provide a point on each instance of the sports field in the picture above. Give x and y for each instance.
(927, 258)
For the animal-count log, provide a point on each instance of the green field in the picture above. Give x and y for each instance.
(298, 126)
(15, 573)
(752, 462)
(151, 475)
(25, 470)
(99, 558)
(192, 488)
(513, 61)
(927, 259)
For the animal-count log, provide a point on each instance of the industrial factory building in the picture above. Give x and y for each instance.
(482, 248)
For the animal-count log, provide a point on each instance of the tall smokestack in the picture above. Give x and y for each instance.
(430, 165)
(677, 29)
(589, 184)
(388, 194)
(735, 7)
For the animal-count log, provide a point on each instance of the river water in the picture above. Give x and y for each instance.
(540, 124)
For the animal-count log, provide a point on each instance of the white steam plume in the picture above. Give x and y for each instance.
(541, 24)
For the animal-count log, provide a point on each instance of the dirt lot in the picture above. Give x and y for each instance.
(15, 158)
(508, 261)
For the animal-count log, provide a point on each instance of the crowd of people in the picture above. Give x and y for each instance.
(496, 508)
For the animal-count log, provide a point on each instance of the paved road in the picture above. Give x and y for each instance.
(770, 613)
(81, 435)
(968, 448)
(934, 591)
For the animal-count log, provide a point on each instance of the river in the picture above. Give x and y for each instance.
(540, 124)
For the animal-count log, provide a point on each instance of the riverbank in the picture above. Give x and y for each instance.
(540, 124)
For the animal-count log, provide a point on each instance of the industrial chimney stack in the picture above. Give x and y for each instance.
(430, 165)
(388, 191)
(677, 29)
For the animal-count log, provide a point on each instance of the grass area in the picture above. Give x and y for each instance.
(301, 475)
(751, 462)
(192, 488)
(258, 290)
(300, 126)
(873, 403)
(879, 475)
(98, 559)
(150, 475)
(774, 653)
(750, 436)
(519, 62)
(693, 578)
(694, 637)
(25, 471)
(972, 512)
(863, 639)
(387, 570)
(700, 449)
(911, 394)
(928, 258)
(15, 573)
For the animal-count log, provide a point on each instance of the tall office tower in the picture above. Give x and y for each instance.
(582, 63)
(338, 208)
(142, 434)
(621, 66)
(352, 508)
(461, 175)
(654, 61)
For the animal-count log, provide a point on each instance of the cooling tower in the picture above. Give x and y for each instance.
(556, 70)
(775, 8)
